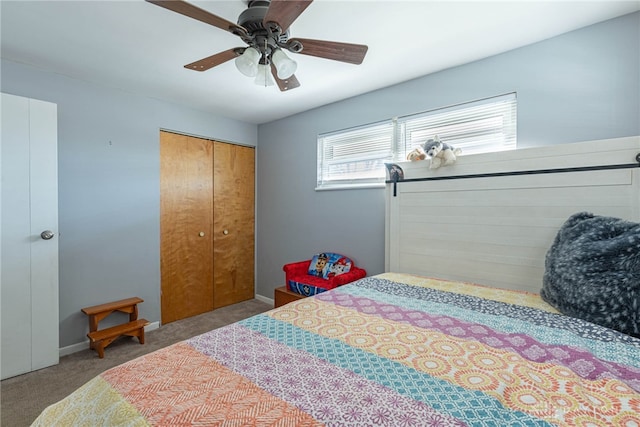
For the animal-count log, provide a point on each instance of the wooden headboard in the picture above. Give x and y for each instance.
(490, 218)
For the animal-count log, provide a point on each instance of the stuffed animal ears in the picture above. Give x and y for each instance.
(431, 142)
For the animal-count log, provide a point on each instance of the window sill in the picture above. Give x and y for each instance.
(352, 186)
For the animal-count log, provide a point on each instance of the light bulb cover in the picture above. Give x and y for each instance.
(263, 76)
(247, 63)
(285, 66)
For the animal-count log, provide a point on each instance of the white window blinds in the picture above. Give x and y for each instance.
(477, 127)
(355, 157)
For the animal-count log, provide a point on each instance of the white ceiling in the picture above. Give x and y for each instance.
(141, 48)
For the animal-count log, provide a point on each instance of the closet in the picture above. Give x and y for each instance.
(207, 222)
(29, 250)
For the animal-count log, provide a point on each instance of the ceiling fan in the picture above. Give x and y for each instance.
(264, 27)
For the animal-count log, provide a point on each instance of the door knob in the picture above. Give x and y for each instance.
(47, 235)
(225, 232)
(201, 234)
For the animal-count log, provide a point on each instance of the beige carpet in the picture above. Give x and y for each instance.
(25, 396)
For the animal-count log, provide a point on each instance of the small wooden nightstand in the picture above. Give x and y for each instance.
(284, 296)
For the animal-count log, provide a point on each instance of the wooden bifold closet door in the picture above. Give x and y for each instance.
(207, 222)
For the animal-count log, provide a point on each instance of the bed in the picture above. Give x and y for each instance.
(402, 348)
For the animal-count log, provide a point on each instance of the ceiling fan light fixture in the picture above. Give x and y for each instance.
(247, 63)
(263, 76)
(264, 28)
(285, 66)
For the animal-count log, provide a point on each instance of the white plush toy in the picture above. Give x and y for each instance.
(441, 154)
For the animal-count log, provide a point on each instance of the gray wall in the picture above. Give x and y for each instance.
(583, 85)
(109, 187)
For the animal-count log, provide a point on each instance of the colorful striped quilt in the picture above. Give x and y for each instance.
(388, 350)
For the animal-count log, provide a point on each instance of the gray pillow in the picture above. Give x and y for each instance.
(592, 271)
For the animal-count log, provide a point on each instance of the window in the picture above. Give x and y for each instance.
(354, 158)
(476, 127)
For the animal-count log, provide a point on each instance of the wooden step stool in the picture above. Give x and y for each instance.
(99, 339)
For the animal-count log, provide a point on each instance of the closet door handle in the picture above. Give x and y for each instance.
(225, 232)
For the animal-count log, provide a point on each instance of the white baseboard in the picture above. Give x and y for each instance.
(74, 348)
(151, 326)
(264, 299)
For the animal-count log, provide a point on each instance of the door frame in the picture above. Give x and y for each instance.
(215, 140)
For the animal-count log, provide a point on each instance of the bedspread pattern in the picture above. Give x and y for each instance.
(378, 352)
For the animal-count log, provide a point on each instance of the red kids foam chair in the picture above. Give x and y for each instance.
(325, 271)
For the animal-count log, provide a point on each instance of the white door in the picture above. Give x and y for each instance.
(29, 207)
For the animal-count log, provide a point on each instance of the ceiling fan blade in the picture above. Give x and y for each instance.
(213, 60)
(284, 12)
(284, 84)
(345, 52)
(187, 9)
